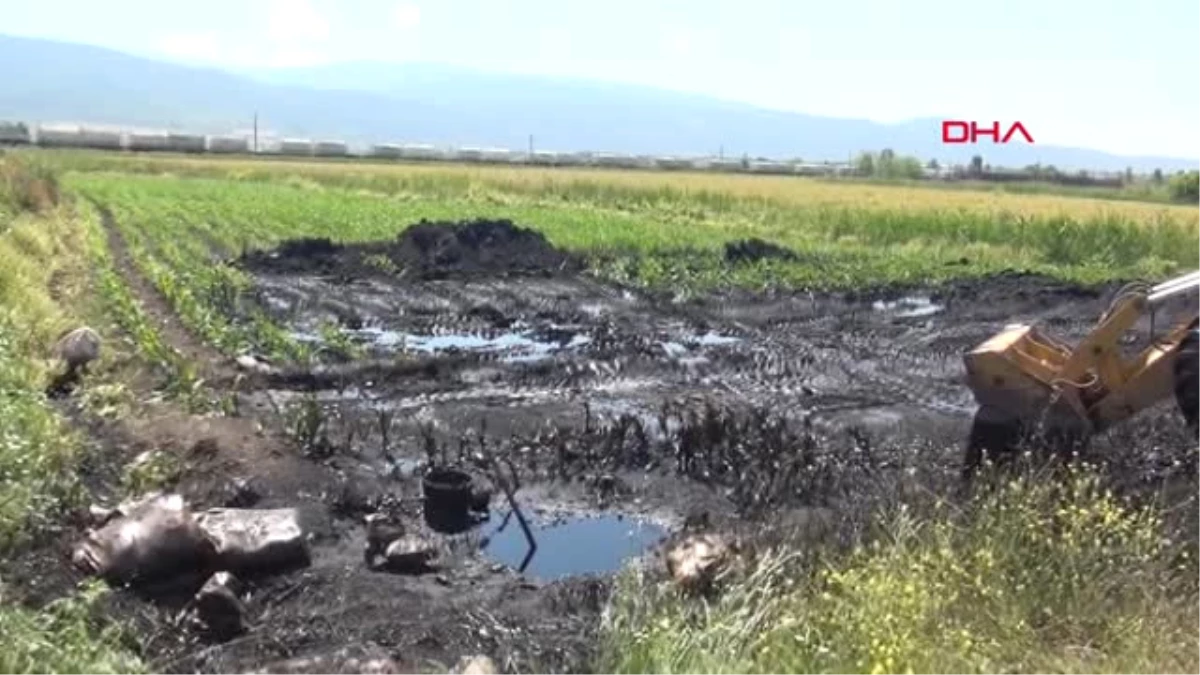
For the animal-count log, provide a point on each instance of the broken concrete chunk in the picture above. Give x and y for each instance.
(145, 539)
(410, 554)
(695, 561)
(476, 665)
(255, 540)
(219, 610)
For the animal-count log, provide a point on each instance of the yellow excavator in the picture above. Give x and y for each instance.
(1030, 385)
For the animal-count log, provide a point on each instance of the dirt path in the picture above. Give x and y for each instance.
(214, 366)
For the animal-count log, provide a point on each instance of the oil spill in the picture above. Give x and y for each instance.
(573, 546)
(514, 346)
(908, 307)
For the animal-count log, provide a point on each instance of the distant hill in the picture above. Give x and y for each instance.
(46, 80)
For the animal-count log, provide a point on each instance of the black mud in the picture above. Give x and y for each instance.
(622, 416)
(754, 250)
(425, 250)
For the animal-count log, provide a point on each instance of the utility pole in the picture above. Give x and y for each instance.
(531, 145)
(255, 131)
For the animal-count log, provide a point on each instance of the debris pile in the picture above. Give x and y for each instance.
(157, 538)
(144, 540)
(157, 535)
(402, 552)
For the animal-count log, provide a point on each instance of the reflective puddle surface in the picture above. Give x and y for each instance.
(572, 546)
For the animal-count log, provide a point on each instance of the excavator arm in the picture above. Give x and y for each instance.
(1023, 377)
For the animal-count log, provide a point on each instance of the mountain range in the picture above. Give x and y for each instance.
(367, 102)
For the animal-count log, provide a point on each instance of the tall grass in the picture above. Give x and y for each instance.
(1039, 576)
(42, 274)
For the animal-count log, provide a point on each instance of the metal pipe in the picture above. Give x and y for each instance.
(1188, 278)
(1173, 287)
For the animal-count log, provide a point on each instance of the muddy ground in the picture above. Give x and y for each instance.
(624, 414)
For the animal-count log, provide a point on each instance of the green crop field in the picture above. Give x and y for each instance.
(1025, 583)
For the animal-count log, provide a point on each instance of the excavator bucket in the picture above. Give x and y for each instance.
(1013, 374)
(1025, 380)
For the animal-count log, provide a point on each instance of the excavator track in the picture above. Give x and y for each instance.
(1187, 377)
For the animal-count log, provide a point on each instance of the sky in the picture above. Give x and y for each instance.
(1112, 75)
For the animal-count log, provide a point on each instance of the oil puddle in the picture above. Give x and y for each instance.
(516, 346)
(578, 545)
(685, 349)
(908, 307)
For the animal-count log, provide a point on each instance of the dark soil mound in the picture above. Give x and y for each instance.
(433, 250)
(753, 250)
(297, 256)
(426, 250)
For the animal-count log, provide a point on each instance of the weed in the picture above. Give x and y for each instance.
(1036, 577)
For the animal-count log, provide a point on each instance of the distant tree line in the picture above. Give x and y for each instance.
(1184, 186)
(887, 164)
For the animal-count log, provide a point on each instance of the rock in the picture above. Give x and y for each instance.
(410, 554)
(79, 348)
(219, 610)
(148, 538)
(476, 665)
(251, 364)
(256, 540)
(695, 561)
(382, 530)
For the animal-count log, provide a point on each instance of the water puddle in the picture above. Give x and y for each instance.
(573, 546)
(711, 339)
(909, 307)
(514, 346)
(684, 350)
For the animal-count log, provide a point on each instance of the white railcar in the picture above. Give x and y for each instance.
(228, 144)
(185, 142)
(546, 158)
(330, 149)
(387, 150)
(419, 151)
(296, 146)
(673, 163)
(469, 154)
(496, 155)
(100, 139)
(146, 141)
(770, 167)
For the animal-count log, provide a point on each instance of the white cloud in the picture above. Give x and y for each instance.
(191, 46)
(677, 43)
(289, 57)
(406, 15)
(292, 21)
(208, 48)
